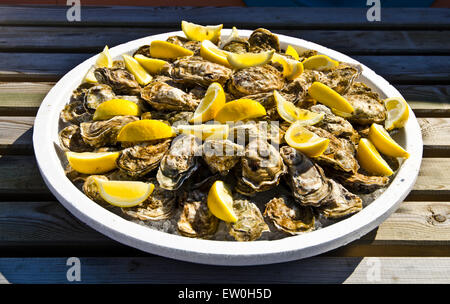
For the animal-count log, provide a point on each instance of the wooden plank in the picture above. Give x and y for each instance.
(24, 98)
(16, 135)
(161, 270)
(93, 39)
(396, 69)
(279, 17)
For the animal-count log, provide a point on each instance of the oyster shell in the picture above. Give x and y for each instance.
(96, 95)
(102, 133)
(359, 182)
(255, 80)
(79, 93)
(191, 45)
(160, 205)
(306, 179)
(306, 54)
(341, 77)
(120, 80)
(142, 158)
(196, 220)
(288, 216)
(261, 167)
(368, 108)
(162, 96)
(91, 190)
(263, 40)
(179, 162)
(75, 113)
(143, 50)
(221, 155)
(71, 140)
(197, 71)
(340, 202)
(250, 223)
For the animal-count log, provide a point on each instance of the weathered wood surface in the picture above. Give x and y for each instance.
(279, 17)
(160, 270)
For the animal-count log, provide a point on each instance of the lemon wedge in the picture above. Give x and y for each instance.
(370, 159)
(291, 68)
(397, 113)
(220, 202)
(124, 193)
(211, 103)
(199, 32)
(305, 141)
(384, 142)
(319, 62)
(137, 70)
(144, 130)
(340, 113)
(104, 60)
(92, 162)
(115, 107)
(240, 109)
(205, 131)
(211, 52)
(166, 50)
(246, 60)
(292, 52)
(151, 65)
(290, 113)
(329, 97)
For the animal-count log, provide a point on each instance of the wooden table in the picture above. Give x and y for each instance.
(409, 47)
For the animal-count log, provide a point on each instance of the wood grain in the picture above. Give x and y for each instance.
(160, 270)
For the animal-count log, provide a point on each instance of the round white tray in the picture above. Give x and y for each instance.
(45, 137)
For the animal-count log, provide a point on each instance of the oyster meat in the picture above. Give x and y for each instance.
(71, 140)
(255, 80)
(250, 224)
(358, 182)
(142, 158)
(96, 95)
(162, 96)
(221, 155)
(340, 202)
(263, 40)
(191, 45)
(120, 80)
(341, 77)
(75, 113)
(288, 216)
(368, 108)
(179, 162)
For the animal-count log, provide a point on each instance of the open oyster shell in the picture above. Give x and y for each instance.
(250, 224)
(340, 202)
(367, 104)
(71, 140)
(221, 155)
(263, 40)
(255, 80)
(162, 96)
(119, 79)
(96, 95)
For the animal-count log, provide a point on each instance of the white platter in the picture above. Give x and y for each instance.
(45, 137)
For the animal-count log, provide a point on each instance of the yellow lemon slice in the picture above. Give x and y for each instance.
(246, 60)
(340, 113)
(144, 130)
(292, 52)
(151, 65)
(370, 159)
(199, 32)
(104, 60)
(167, 50)
(397, 113)
(211, 52)
(205, 131)
(329, 97)
(319, 62)
(384, 142)
(124, 193)
(213, 101)
(91, 162)
(240, 109)
(137, 70)
(290, 113)
(115, 107)
(220, 202)
(291, 68)
(305, 141)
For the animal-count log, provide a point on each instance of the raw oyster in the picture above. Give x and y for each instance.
(340, 202)
(254, 80)
(75, 113)
(142, 158)
(341, 77)
(162, 96)
(191, 45)
(340, 153)
(179, 162)
(250, 224)
(306, 54)
(96, 95)
(261, 167)
(221, 155)
(196, 220)
(368, 108)
(359, 182)
(71, 140)
(143, 50)
(79, 93)
(263, 40)
(159, 205)
(91, 190)
(288, 216)
(306, 179)
(101, 133)
(235, 44)
(120, 80)
(197, 71)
